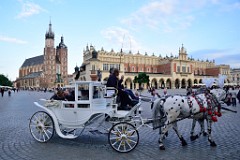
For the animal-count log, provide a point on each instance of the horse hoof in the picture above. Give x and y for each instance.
(166, 134)
(184, 143)
(193, 137)
(213, 144)
(161, 147)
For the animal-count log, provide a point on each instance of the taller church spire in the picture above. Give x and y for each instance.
(49, 34)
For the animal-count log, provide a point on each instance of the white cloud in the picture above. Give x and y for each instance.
(167, 15)
(11, 40)
(171, 15)
(118, 36)
(29, 9)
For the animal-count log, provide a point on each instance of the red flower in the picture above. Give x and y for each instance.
(214, 118)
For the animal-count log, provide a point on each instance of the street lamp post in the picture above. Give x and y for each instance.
(99, 74)
(120, 60)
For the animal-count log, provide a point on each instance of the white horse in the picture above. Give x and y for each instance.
(220, 94)
(177, 107)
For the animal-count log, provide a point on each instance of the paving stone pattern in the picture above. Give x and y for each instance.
(16, 142)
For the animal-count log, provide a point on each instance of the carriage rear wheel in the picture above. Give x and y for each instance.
(41, 126)
(123, 137)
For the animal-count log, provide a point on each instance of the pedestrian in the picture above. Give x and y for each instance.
(165, 92)
(229, 99)
(2, 91)
(238, 96)
(9, 92)
(155, 95)
(234, 97)
(189, 90)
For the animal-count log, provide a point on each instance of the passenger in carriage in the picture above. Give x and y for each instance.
(136, 94)
(113, 81)
(69, 95)
(134, 97)
(59, 95)
(63, 95)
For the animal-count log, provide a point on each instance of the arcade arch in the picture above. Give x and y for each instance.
(168, 83)
(177, 83)
(189, 83)
(154, 83)
(129, 83)
(183, 83)
(195, 81)
(161, 83)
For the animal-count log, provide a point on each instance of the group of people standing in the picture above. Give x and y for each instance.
(2, 90)
(232, 97)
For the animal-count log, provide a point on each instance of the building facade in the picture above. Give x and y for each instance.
(235, 76)
(48, 70)
(169, 71)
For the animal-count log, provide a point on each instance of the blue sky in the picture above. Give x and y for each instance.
(208, 29)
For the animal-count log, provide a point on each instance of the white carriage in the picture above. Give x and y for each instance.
(92, 100)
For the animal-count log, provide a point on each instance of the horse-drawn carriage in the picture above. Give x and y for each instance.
(94, 100)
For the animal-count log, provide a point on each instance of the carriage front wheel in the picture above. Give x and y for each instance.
(123, 137)
(41, 126)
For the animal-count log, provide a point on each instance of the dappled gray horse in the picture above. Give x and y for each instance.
(219, 96)
(177, 107)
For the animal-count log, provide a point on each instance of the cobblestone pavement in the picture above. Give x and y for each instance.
(16, 142)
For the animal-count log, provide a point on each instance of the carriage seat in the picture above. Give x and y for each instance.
(110, 92)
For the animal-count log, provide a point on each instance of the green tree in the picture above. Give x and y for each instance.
(4, 81)
(141, 78)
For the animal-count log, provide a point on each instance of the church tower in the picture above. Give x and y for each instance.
(49, 57)
(61, 63)
(55, 61)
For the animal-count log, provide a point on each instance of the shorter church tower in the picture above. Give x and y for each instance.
(61, 63)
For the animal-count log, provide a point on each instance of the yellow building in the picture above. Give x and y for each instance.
(171, 72)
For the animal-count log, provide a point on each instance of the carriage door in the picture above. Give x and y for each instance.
(83, 103)
(68, 113)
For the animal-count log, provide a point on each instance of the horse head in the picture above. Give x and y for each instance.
(219, 96)
(219, 93)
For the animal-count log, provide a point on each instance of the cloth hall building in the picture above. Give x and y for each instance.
(170, 71)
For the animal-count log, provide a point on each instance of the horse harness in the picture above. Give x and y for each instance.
(212, 103)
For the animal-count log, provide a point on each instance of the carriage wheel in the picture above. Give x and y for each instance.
(123, 137)
(41, 126)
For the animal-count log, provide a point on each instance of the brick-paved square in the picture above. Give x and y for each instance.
(17, 143)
